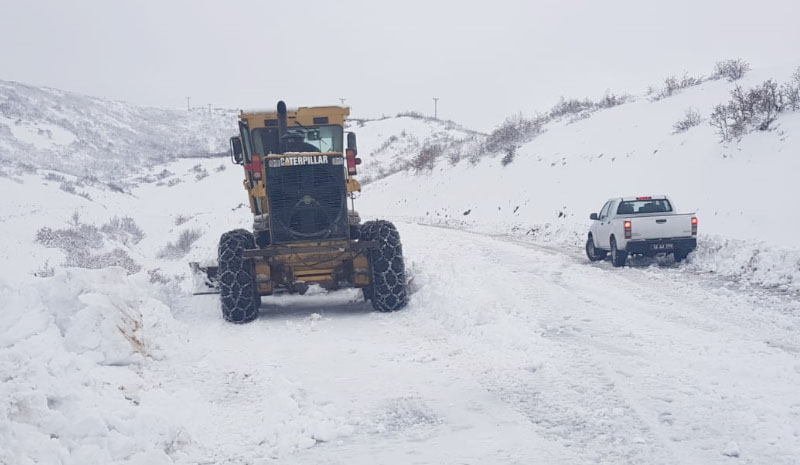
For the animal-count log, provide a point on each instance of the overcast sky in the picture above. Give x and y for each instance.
(484, 59)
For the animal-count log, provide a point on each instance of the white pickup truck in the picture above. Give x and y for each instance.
(640, 226)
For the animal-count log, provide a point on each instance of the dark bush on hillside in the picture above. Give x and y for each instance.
(754, 108)
(411, 114)
(54, 177)
(672, 85)
(426, 158)
(512, 133)
(611, 100)
(508, 158)
(690, 119)
(182, 246)
(732, 70)
(790, 92)
(117, 257)
(580, 109)
(79, 241)
(123, 230)
(566, 107)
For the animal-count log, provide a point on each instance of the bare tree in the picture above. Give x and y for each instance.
(719, 120)
(732, 70)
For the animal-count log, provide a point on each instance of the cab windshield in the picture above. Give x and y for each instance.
(302, 139)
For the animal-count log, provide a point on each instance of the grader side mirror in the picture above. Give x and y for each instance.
(237, 154)
(351, 154)
(593, 216)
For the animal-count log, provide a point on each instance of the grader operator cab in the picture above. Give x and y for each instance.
(298, 177)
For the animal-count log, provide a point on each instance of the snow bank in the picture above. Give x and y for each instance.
(69, 348)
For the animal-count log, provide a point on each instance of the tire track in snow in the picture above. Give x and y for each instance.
(668, 350)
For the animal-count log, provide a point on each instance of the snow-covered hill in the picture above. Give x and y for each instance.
(740, 189)
(389, 145)
(87, 136)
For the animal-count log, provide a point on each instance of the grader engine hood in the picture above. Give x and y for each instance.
(307, 197)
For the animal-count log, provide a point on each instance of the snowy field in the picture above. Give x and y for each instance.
(514, 349)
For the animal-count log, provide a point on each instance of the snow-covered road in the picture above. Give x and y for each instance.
(507, 353)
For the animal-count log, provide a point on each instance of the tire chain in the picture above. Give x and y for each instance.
(388, 288)
(238, 299)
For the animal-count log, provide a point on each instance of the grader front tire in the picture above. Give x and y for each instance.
(238, 297)
(388, 288)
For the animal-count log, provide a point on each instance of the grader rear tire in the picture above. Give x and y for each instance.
(238, 297)
(388, 288)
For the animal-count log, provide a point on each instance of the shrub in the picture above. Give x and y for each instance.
(181, 219)
(220, 168)
(78, 242)
(672, 85)
(67, 186)
(182, 246)
(70, 240)
(123, 230)
(572, 106)
(511, 152)
(411, 114)
(691, 119)
(157, 277)
(732, 70)
(426, 158)
(790, 91)
(719, 120)
(117, 257)
(611, 100)
(512, 133)
(45, 271)
(54, 177)
(757, 107)
(580, 109)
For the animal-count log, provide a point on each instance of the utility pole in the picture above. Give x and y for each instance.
(435, 108)
(209, 109)
(188, 107)
(342, 100)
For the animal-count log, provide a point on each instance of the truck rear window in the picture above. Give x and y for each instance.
(634, 207)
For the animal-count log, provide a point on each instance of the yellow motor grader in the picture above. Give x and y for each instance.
(299, 174)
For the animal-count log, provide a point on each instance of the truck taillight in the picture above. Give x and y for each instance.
(628, 232)
(352, 162)
(694, 226)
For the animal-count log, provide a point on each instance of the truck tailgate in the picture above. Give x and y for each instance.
(660, 227)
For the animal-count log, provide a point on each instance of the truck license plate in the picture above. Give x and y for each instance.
(662, 246)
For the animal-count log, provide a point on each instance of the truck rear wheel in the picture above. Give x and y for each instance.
(388, 288)
(680, 256)
(238, 297)
(618, 257)
(593, 253)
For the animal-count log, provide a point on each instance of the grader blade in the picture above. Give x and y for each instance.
(204, 279)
